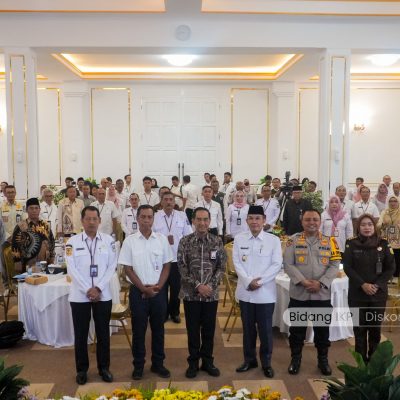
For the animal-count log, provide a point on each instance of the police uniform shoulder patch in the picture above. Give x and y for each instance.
(69, 250)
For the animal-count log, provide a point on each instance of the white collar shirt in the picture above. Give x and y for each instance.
(78, 257)
(151, 198)
(225, 187)
(361, 208)
(236, 220)
(215, 212)
(342, 232)
(146, 256)
(176, 224)
(128, 189)
(129, 221)
(271, 210)
(255, 257)
(191, 193)
(178, 190)
(108, 211)
(347, 205)
(49, 214)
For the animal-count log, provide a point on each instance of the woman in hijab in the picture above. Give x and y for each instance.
(389, 228)
(236, 215)
(112, 196)
(369, 264)
(381, 197)
(335, 221)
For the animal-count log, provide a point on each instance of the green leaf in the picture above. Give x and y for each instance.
(354, 375)
(394, 390)
(392, 365)
(359, 359)
(381, 359)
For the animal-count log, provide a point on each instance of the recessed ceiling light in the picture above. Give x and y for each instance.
(384, 60)
(179, 60)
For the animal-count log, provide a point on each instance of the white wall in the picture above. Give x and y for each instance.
(3, 136)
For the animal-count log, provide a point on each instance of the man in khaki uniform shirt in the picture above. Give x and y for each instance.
(11, 211)
(69, 214)
(312, 262)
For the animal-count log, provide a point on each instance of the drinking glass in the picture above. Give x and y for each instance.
(51, 268)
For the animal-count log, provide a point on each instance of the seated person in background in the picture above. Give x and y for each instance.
(32, 239)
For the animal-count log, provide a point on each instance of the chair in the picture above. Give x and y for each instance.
(230, 268)
(10, 270)
(125, 285)
(119, 313)
(231, 283)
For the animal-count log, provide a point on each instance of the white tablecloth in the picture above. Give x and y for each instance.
(46, 313)
(339, 291)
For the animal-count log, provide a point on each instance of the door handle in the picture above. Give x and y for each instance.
(183, 170)
(179, 171)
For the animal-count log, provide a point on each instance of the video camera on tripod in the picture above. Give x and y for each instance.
(287, 187)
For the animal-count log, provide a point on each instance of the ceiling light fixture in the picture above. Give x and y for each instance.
(384, 60)
(179, 60)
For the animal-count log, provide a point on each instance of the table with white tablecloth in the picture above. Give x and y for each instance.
(45, 310)
(339, 289)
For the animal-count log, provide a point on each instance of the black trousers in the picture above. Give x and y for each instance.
(367, 333)
(143, 311)
(174, 285)
(297, 334)
(81, 316)
(200, 325)
(257, 317)
(397, 261)
(189, 214)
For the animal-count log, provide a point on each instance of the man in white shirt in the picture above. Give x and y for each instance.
(267, 182)
(227, 184)
(364, 206)
(146, 257)
(178, 192)
(174, 225)
(91, 262)
(346, 204)
(128, 189)
(270, 206)
(129, 219)
(86, 197)
(121, 194)
(48, 210)
(108, 213)
(191, 192)
(207, 179)
(216, 223)
(148, 196)
(387, 180)
(257, 257)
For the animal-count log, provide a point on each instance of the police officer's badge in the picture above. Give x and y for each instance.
(324, 260)
(244, 258)
(68, 250)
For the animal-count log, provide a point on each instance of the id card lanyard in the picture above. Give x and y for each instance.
(169, 227)
(134, 223)
(238, 220)
(92, 254)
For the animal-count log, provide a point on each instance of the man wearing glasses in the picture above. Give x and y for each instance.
(48, 210)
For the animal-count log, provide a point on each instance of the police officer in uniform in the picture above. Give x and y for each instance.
(91, 262)
(312, 261)
(174, 225)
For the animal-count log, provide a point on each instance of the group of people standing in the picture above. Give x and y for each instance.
(173, 250)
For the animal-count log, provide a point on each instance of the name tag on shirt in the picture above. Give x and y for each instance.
(94, 271)
(134, 226)
(171, 239)
(238, 221)
(213, 254)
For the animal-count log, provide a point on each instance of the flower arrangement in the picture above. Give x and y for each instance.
(225, 393)
(315, 198)
(57, 195)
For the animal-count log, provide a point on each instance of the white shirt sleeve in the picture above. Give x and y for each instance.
(228, 220)
(276, 262)
(220, 223)
(167, 251)
(125, 255)
(241, 272)
(276, 209)
(73, 271)
(124, 220)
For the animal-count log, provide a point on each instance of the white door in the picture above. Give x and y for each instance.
(180, 138)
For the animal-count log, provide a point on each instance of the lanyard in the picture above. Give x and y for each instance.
(266, 208)
(49, 213)
(91, 255)
(148, 199)
(238, 211)
(364, 211)
(133, 215)
(101, 208)
(166, 222)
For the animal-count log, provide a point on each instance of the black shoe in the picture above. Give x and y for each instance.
(137, 374)
(246, 366)
(211, 369)
(81, 378)
(192, 370)
(106, 375)
(324, 367)
(176, 319)
(294, 366)
(268, 372)
(161, 371)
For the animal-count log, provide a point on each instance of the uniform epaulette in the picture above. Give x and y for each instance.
(351, 238)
